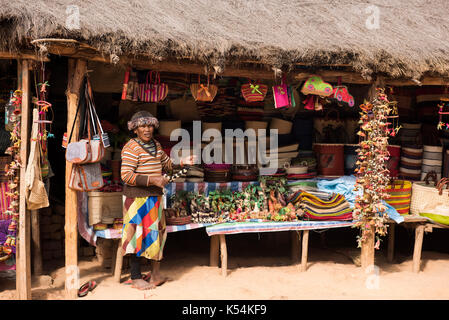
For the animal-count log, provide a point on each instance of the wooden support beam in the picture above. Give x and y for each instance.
(76, 72)
(28, 55)
(214, 254)
(224, 255)
(391, 236)
(367, 254)
(36, 238)
(23, 261)
(296, 245)
(305, 248)
(419, 237)
(118, 256)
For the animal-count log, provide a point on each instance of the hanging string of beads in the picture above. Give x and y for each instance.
(372, 174)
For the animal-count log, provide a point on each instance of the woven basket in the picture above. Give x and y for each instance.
(104, 207)
(400, 192)
(283, 126)
(426, 198)
(178, 220)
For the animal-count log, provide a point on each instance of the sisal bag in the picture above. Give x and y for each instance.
(200, 92)
(400, 192)
(153, 91)
(330, 159)
(254, 92)
(282, 95)
(431, 201)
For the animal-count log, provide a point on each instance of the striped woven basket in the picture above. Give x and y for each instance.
(400, 192)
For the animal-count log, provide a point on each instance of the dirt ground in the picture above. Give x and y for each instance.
(263, 274)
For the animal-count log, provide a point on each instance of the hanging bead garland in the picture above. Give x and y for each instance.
(372, 173)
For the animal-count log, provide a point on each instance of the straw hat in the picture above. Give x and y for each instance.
(283, 126)
(167, 126)
(256, 125)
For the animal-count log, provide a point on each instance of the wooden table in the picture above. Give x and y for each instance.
(421, 225)
(219, 252)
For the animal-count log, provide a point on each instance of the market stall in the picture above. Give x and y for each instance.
(250, 77)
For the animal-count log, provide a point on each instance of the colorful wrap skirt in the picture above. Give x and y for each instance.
(144, 230)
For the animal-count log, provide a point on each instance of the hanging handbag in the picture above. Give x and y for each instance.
(86, 177)
(204, 93)
(254, 92)
(153, 91)
(315, 85)
(281, 95)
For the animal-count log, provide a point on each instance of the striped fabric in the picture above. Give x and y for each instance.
(136, 161)
(249, 227)
(400, 195)
(432, 161)
(315, 208)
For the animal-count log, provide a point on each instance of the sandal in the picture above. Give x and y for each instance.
(145, 277)
(85, 288)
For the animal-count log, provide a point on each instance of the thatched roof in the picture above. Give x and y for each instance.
(412, 37)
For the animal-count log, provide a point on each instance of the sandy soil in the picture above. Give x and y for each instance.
(331, 274)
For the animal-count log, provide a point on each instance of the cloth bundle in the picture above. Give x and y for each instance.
(250, 110)
(195, 174)
(217, 172)
(245, 173)
(336, 208)
(411, 163)
(432, 161)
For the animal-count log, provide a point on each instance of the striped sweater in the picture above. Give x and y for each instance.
(138, 164)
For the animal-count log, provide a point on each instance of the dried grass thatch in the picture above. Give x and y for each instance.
(411, 38)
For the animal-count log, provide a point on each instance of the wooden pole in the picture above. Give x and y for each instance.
(214, 251)
(76, 73)
(36, 238)
(419, 237)
(305, 247)
(367, 252)
(390, 254)
(118, 262)
(224, 255)
(296, 242)
(23, 261)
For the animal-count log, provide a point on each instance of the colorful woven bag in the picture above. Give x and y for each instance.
(254, 92)
(315, 85)
(201, 92)
(153, 91)
(400, 192)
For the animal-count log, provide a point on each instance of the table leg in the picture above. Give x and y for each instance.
(115, 243)
(296, 245)
(391, 236)
(224, 255)
(419, 236)
(118, 263)
(305, 245)
(214, 255)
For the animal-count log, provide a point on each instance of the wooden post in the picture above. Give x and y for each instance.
(419, 237)
(23, 261)
(367, 254)
(36, 238)
(214, 251)
(296, 245)
(76, 73)
(305, 246)
(118, 262)
(224, 255)
(390, 254)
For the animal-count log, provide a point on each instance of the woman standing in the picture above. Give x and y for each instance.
(144, 231)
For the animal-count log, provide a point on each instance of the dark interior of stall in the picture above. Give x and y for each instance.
(107, 84)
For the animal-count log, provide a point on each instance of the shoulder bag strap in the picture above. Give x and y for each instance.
(81, 101)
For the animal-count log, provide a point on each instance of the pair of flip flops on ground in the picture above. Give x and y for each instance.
(85, 288)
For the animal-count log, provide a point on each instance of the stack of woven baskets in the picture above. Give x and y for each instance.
(411, 163)
(432, 161)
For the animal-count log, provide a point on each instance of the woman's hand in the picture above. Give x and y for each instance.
(189, 160)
